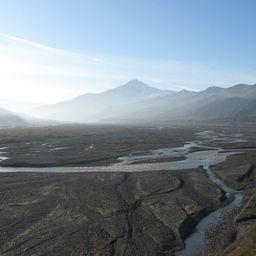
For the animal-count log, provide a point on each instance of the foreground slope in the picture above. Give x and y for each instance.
(101, 213)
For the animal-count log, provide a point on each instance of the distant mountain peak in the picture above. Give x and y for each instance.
(136, 83)
(136, 100)
(186, 91)
(241, 87)
(213, 89)
(136, 87)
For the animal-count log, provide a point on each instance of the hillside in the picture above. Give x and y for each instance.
(94, 107)
(136, 102)
(8, 118)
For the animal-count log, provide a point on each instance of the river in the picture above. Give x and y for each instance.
(205, 157)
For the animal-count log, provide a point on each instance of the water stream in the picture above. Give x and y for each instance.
(195, 243)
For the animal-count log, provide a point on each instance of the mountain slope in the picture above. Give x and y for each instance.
(8, 118)
(138, 102)
(93, 107)
(231, 109)
(223, 104)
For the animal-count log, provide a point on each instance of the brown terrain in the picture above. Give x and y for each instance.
(118, 213)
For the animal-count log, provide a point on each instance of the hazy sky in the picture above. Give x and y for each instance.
(55, 50)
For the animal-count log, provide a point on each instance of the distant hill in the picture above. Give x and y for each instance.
(233, 104)
(8, 118)
(231, 109)
(94, 107)
(136, 102)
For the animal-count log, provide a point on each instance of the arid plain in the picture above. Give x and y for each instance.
(80, 209)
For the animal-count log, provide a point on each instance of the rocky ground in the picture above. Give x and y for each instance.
(102, 213)
(237, 235)
(82, 145)
(148, 213)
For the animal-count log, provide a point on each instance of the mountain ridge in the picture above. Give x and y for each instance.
(136, 100)
(8, 118)
(90, 106)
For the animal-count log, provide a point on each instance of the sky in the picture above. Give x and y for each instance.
(56, 50)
